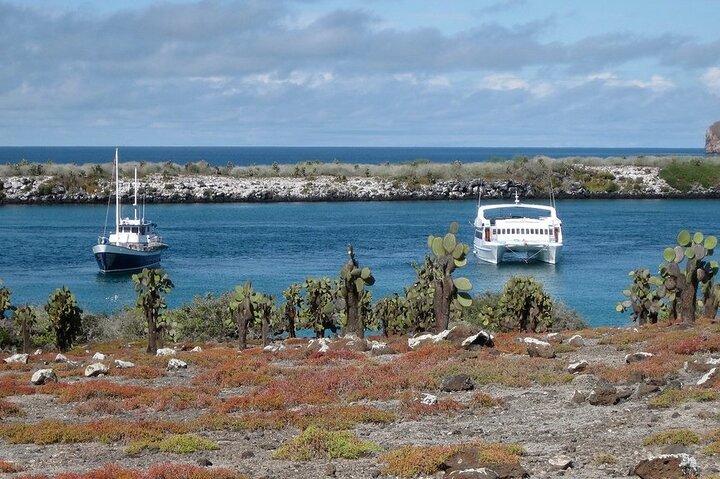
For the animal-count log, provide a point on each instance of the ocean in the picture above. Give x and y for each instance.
(214, 247)
(251, 155)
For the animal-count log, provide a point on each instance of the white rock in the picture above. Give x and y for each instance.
(98, 357)
(469, 341)
(378, 348)
(707, 379)
(38, 352)
(120, 364)
(576, 341)
(196, 349)
(96, 369)
(61, 358)
(561, 462)
(165, 352)
(42, 376)
(176, 364)
(539, 342)
(418, 341)
(274, 348)
(578, 366)
(553, 338)
(322, 344)
(17, 358)
(639, 356)
(428, 399)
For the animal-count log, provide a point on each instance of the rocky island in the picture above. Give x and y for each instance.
(314, 181)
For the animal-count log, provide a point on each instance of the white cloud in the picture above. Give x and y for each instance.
(422, 80)
(657, 83)
(711, 79)
(509, 82)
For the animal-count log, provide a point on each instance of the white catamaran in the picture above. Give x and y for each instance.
(135, 244)
(516, 230)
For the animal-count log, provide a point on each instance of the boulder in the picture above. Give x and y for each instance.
(61, 358)
(196, 349)
(637, 357)
(96, 369)
(554, 338)
(456, 382)
(120, 364)
(476, 473)
(576, 341)
(701, 365)
(539, 349)
(712, 139)
(477, 341)
(560, 462)
(667, 466)
(98, 357)
(574, 368)
(38, 352)
(378, 348)
(427, 338)
(319, 345)
(17, 358)
(175, 363)
(165, 352)
(603, 394)
(350, 342)
(43, 376)
(274, 348)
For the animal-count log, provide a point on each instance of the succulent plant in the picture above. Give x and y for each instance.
(645, 297)
(243, 307)
(447, 255)
(680, 285)
(25, 319)
(390, 315)
(353, 281)
(525, 304)
(293, 301)
(65, 317)
(151, 285)
(319, 307)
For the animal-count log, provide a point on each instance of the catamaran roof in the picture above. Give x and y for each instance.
(526, 206)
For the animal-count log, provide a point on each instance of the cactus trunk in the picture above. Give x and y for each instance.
(444, 293)
(711, 300)
(354, 323)
(26, 336)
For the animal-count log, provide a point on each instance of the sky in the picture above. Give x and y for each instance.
(489, 73)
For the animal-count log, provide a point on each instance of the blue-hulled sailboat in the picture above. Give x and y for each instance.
(135, 244)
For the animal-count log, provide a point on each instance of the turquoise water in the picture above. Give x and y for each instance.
(213, 247)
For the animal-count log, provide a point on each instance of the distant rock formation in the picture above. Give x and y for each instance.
(712, 138)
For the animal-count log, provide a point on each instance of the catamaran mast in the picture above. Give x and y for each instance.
(136, 188)
(117, 194)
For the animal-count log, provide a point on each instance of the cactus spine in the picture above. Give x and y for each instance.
(447, 255)
(352, 289)
(151, 286)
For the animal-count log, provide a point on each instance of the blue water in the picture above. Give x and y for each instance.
(214, 247)
(248, 155)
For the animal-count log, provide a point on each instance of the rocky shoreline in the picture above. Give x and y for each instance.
(641, 182)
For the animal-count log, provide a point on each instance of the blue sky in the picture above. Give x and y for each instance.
(372, 73)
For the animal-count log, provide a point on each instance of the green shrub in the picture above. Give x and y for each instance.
(683, 175)
(314, 442)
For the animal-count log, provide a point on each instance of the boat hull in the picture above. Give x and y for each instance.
(496, 252)
(118, 259)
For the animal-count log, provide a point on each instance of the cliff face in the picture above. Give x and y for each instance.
(712, 138)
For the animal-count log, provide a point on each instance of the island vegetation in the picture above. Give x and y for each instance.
(581, 177)
(445, 383)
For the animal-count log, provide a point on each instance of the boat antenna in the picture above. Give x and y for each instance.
(107, 209)
(482, 185)
(552, 194)
(517, 197)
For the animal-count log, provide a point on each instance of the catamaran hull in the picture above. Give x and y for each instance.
(118, 259)
(498, 252)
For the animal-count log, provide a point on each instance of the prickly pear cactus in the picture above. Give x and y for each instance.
(681, 284)
(242, 307)
(293, 301)
(645, 297)
(151, 285)
(353, 281)
(65, 317)
(319, 308)
(25, 319)
(447, 255)
(390, 315)
(526, 305)
(4, 300)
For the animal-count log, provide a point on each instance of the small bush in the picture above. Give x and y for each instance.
(684, 437)
(314, 442)
(673, 397)
(7, 466)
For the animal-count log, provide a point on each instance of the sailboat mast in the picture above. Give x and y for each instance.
(136, 188)
(117, 194)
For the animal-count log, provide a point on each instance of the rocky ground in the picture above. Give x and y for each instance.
(590, 423)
